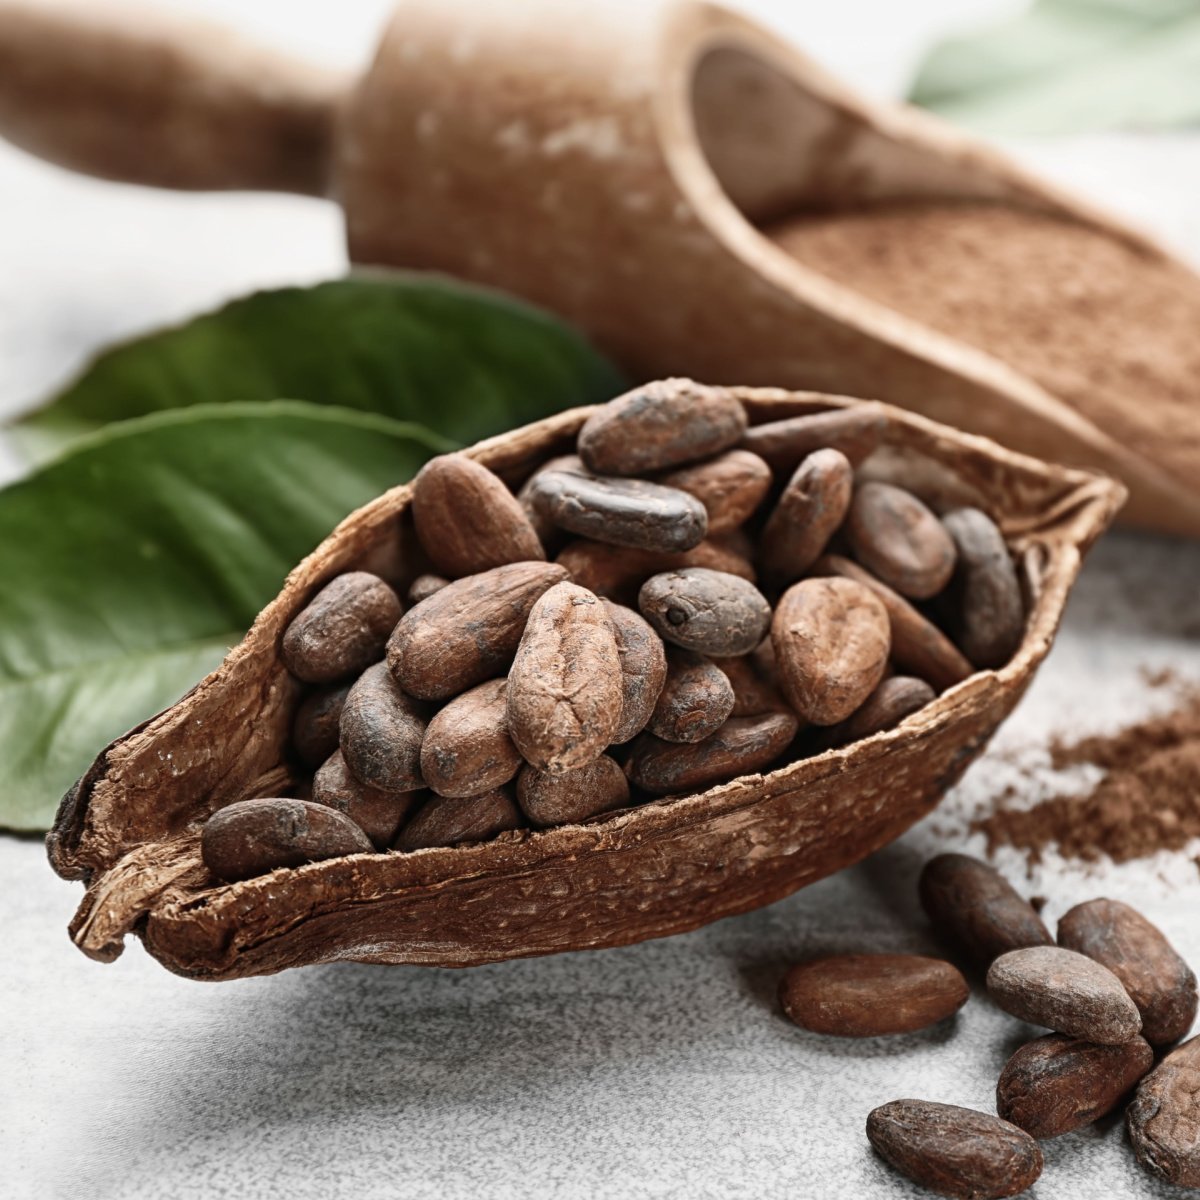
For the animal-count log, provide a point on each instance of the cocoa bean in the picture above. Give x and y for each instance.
(977, 910)
(377, 813)
(870, 995)
(711, 612)
(567, 797)
(315, 729)
(742, 746)
(896, 537)
(451, 820)
(897, 697)
(424, 586)
(343, 629)
(381, 732)
(643, 669)
(1057, 1083)
(989, 610)
(1158, 981)
(1066, 992)
(1164, 1118)
(754, 691)
(831, 640)
(730, 486)
(466, 519)
(695, 701)
(806, 516)
(466, 750)
(955, 1151)
(252, 837)
(565, 688)
(661, 425)
(855, 432)
(469, 631)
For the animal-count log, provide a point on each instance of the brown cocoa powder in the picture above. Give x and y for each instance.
(1103, 324)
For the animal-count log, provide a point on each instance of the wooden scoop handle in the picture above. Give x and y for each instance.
(148, 97)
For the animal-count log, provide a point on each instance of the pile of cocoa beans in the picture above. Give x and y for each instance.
(716, 590)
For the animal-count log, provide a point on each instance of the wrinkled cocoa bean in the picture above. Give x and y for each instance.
(378, 814)
(730, 487)
(643, 669)
(955, 1151)
(1066, 992)
(711, 612)
(565, 688)
(469, 631)
(450, 820)
(621, 512)
(894, 699)
(831, 639)
(806, 516)
(977, 910)
(343, 629)
(855, 432)
(870, 995)
(1057, 1083)
(1164, 1118)
(567, 797)
(695, 701)
(315, 729)
(990, 612)
(659, 426)
(253, 837)
(424, 586)
(742, 746)
(467, 520)
(896, 537)
(1158, 981)
(381, 732)
(466, 750)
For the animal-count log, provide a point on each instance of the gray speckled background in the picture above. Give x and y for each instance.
(660, 1070)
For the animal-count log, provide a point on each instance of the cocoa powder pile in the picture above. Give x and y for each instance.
(1110, 328)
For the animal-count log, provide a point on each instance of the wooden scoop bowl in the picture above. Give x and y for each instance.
(606, 161)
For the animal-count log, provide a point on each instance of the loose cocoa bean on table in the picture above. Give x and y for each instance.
(1164, 1118)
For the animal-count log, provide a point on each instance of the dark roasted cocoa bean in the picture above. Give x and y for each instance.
(896, 537)
(977, 910)
(253, 837)
(955, 1151)
(695, 701)
(711, 612)
(466, 750)
(918, 646)
(742, 746)
(381, 732)
(467, 520)
(870, 995)
(730, 486)
(565, 688)
(343, 629)
(831, 639)
(1158, 981)
(315, 729)
(378, 814)
(469, 631)
(783, 445)
(621, 512)
(424, 586)
(643, 669)
(567, 797)
(894, 699)
(1066, 992)
(1057, 1083)
(806, 516)
(659, 426)
(1164, 1118)
(450, 820)
(990, 611)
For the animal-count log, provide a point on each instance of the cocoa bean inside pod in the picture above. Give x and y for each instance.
(565, 689)
(1164, 1118)
(548, 533)
(855, 432)
(252, 837)
(315, 729)
(695, 701)
(565, 797)
(711, 612)
(424, 586)
(377, 813)
(754, 690)
(468, 631)
(643, 669)
(661, 425)
(894, 699)
(381, 732)
(730, 486)
(466, 750)
(343, 629)
(451, 820)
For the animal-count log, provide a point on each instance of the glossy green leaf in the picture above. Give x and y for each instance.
(463, 361)
(1071, 66)
(131, 564)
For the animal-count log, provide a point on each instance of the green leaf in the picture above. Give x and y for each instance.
(131, 564)
(1071, 66)
(463, 361)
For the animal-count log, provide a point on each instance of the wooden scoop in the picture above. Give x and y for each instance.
(610, 162)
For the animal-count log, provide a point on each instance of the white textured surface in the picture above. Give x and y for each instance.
(656, 1071)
